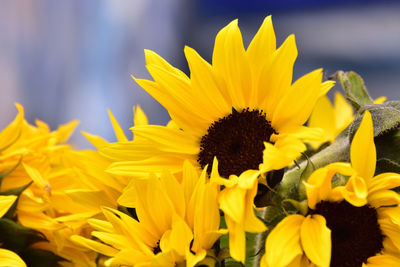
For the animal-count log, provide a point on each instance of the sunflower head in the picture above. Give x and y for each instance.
(356, 221)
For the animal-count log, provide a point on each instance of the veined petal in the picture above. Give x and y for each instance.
(316, 240)
(262, 46)
(283, 243)
(276, 79)
(232, 202)
(383, 198)
(383, 260)
(343, 113)
(362, 149)
(205, 86)
(356, 191)
(94, 245)
(384, 181)
(237, 239)
(231, 64)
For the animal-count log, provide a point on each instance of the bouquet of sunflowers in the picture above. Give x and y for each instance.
(252, 170)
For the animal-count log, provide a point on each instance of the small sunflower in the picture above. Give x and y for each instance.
(242, 109)
(332, 119)
(177, 220)
(352, 225)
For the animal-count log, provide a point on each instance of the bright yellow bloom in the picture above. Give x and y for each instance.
(332, 119)
(352, 225)
(178, 220)
(243, 109)
(39, 156)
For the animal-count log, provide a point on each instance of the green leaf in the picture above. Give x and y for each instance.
(354, 88)
(16, 237)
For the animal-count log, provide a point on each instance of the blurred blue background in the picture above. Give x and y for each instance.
(73, 59)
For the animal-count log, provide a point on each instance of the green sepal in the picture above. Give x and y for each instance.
(40, 258)
(16, 237)
(354, 88)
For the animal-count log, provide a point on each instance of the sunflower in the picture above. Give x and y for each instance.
(242, 109)
(356, 224)
(176, 222)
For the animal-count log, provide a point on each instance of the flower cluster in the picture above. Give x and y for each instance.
(253, 168)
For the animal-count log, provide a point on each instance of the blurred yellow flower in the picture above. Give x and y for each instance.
(39, 156)
(352, 225)
(177, 220)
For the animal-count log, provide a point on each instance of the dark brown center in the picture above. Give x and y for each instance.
(237, 140)
(355, 232)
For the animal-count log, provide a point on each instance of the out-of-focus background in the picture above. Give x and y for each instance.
(73, 59)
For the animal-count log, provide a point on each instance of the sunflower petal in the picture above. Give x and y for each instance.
(362, 149)
(316, 240)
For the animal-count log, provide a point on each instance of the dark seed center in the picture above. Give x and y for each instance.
(237, 141)
(355, 232)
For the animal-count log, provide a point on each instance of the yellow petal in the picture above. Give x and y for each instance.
(323, 116)
(275, 80)
(13, 131)
(232, 202)
(380, 100)
(383, 260)
(356, 191)
(283, 243)
(343, 113)
(316, 240)
(231, 64)
(119, 133)
(205, 86)
(5, 203)
(10, 259)
(362, 150)
(95, 140)
(94, 245)
(139, 117)
(383, 198)
(262, 46)
(384, 181)
(237, 240)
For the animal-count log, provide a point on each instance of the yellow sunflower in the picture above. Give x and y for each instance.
(242, 109)
(176, 222)
(352, 225)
